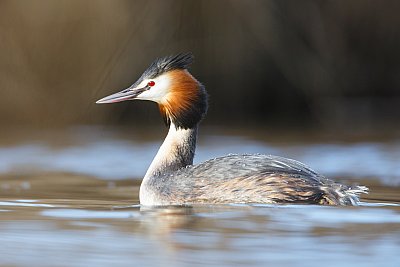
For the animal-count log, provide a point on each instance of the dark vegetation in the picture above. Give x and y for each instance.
(321, 64)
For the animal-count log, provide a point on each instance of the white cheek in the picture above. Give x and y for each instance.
(158, 92)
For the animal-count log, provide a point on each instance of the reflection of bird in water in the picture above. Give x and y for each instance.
(172, 180)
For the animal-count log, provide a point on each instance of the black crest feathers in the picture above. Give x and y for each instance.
(165, 64)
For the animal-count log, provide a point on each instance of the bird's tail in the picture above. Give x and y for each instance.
(352, 193)
(343, 195)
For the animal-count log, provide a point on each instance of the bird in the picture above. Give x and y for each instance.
(173, 180)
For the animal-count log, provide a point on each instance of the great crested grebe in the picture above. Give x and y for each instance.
(250, 178)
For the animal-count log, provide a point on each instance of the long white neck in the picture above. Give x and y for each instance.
(176, 152)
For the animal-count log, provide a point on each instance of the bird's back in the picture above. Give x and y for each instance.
(251, 178)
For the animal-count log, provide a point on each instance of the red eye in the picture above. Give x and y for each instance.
(151, 83)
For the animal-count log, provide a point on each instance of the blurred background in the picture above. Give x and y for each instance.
(317, 81)
(322, 65)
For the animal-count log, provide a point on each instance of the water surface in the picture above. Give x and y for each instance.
(71, 200)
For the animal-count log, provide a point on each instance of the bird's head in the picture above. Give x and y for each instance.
(181, 98)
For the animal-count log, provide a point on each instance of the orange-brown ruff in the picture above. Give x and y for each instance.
(250, 178)
(179, 102)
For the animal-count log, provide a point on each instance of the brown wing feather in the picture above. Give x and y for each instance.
(272, 188)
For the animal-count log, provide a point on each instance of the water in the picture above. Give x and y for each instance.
(70, 199)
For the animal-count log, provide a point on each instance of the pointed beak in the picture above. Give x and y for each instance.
(127, 94)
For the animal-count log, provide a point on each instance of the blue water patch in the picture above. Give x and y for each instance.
(111, 158)
(88, 214)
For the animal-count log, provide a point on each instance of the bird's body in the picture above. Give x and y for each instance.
(250, 178)
(246, 178)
